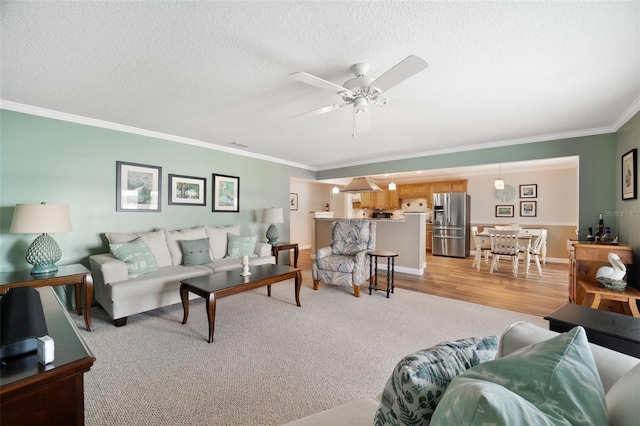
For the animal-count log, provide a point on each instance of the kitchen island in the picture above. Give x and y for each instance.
(404, 236)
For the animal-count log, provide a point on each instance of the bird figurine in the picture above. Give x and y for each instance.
(612, 276)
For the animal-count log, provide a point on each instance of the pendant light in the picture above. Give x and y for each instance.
(499, 183)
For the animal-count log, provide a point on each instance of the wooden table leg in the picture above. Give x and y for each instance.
(87, 283)
(78, 290)
(595, 303)
(184, 296)
(388, 276)
(633, 305)
(370, 274)
(211, 314)
(298, 281)
(295, 256)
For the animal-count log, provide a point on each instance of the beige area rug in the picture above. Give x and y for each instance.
(271, 362)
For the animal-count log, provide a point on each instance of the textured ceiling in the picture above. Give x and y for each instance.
(218, 72)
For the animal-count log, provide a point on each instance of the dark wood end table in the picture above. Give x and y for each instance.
(221, 284)
(276, 247)
(373, 275)
(75, 274)
(609, 329)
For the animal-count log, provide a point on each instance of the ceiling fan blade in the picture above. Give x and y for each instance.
(320, 83)
(408, 67)
(361, 121)
(319, 111)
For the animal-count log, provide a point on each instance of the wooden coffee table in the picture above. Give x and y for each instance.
(221, 284)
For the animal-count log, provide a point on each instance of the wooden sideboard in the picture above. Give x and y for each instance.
(584, 261)
(36, 394)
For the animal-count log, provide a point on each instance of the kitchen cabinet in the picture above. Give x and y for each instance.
(378, 200)
(459, 185)
(429, 236)
(413, 190)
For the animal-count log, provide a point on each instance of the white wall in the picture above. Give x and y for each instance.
(312, 196)
(557, 201)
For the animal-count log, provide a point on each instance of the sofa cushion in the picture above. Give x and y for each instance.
(137, 255)
(419, 380)
(182, 234)
(218, 239)
(551, 382)
(623, 399)
(156, 241)
(358, 412)
(238, 245)
(195, 252)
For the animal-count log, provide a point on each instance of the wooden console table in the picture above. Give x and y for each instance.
(75, 274)
(584, 261)
(36, 394)
(595, 295)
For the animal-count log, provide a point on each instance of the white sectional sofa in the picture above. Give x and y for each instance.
(122, 293)
(618, 373)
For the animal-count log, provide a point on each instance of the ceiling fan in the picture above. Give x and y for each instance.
(361, 91)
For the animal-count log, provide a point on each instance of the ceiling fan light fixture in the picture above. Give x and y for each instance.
(360, 105)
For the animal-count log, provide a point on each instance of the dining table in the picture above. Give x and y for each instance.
(524, 241)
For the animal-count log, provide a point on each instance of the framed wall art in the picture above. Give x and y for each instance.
(187, 190)
(504, 210)
(226, 193)
(293, 201)
(529, 191)
(629, 175)
(528, 208)
(138, 187)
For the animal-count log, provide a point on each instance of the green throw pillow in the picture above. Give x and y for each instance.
(419, 380)
(137, 255)
(554, 382)
(238, 245)
(195, 252)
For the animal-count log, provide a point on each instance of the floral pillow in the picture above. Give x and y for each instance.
(137, 255)
(238, 245)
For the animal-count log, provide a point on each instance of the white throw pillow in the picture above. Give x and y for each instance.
(155, 240)
(218, 239)
(182, 234)
(623, 399)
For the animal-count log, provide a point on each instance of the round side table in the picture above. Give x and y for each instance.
(373, 277)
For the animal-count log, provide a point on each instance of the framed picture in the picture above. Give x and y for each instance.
(503, 210)
(226, 193)
(528, 208)
(138, 187)
(629, 175)
(293, 201)
(187, 190)
(529, 191)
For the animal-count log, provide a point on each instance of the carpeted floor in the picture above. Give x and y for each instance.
(271, 362)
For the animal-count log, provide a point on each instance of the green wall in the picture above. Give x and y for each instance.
(597, 166)
(43, 159)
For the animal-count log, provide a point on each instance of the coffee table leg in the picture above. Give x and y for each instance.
(269, 290)
(211, 314)
(298, 281)
(184, 296)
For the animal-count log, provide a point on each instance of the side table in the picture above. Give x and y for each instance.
(276, 247)
(75, 274)
(373, 277)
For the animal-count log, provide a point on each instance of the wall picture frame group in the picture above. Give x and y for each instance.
(187, 190)
(629, 175)
(529, 191)
(528, 208)
(504, 210)
(226, 193)
(138, 187)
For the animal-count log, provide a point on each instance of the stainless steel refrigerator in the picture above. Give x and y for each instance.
(451, 229)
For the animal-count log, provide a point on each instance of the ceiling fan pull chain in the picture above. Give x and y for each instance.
(353, 118)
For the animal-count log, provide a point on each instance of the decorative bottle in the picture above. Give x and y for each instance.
(590, 236)
(607, 235)
(600, 228)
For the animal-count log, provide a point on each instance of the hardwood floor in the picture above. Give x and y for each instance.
(456, 279)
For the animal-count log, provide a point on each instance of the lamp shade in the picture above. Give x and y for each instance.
(272, 215)
(40, 219)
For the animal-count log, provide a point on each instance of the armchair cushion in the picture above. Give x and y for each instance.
(337, 263)
(350, 236)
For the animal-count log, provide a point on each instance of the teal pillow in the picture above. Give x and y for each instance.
(137, 255)
(238, 245)
(195, 252)
(551, 382)
(419, 380)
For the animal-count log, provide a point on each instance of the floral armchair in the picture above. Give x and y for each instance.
(346, 262)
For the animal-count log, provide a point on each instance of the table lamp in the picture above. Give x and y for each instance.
(43, 218)
(272, 215)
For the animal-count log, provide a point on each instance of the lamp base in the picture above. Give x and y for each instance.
(272, 234)
(43, 253)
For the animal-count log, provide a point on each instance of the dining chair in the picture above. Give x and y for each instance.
(482, 247)
(536, 249)
(504, 243)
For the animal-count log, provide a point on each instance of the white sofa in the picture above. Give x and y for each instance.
(122, 296)
(620, 375)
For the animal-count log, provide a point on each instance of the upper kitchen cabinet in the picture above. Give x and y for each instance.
(459, 185)
(413, 190)
(378, 200)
